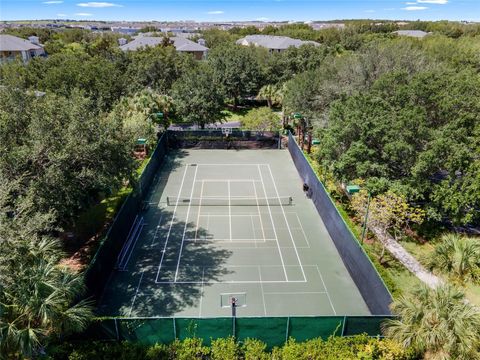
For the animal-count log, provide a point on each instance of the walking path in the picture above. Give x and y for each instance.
(402, 255)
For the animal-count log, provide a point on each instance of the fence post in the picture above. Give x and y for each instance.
(343, 325)
(288, 329)
(174, 328)
(234, 329)
(116, 329)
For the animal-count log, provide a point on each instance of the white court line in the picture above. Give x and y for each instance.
(232, 240)
(231, 282)
(136, 293)
(171, 225)
(236, 214)
(239, 197)
(325, 286)
(259, 213)
(286, 221)
(273, 225)
(261, 289)
(156, 230)
(230, 164)
(186, 225)
(303, 231)
(224, 180)
(253, 229)
(134, 244)
(199, 210)
(229, 209)
(223, 215)
(296, 293)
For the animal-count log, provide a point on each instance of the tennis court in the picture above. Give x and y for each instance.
(223, 224)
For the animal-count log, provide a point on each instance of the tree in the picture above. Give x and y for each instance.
(458, 257)
(261, 119)
(437, 322)
(156, 67)
(416, 135)
(60, 155)
(237, 69)
(388, 212)
(271, 94)
(216, 37)
(198, 98)
(38, 297)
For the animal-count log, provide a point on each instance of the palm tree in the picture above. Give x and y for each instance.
(458, 257)
(437, 322)
(270, 93)
(38, 298)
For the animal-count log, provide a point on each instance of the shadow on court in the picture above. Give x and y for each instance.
(175, 287)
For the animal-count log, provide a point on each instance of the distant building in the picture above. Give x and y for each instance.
(12, 47)
(412, 33)
(273, 43)
(181, 45)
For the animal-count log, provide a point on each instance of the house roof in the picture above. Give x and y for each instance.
(412, 33)
(180, 43)
(273, 42)
(13, 43)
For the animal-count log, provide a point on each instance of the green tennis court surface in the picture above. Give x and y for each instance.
(223, 224)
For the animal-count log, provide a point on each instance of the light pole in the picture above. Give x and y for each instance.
(364, 230)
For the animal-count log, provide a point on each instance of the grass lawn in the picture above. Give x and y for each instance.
(231, 116)
(240, 113)
(423, 251)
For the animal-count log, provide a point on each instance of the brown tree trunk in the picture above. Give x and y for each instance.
(309, 143)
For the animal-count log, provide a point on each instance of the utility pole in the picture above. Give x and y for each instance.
(364, 230)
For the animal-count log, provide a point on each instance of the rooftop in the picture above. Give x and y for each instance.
(412, 33)
(180, 43)
(274, 42)
(13, 43)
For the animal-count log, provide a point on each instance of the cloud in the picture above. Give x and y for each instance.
(439, 2)
(52, 2)
(369, 11)
(411, 3)
(84, 14)
(93, 4)
(216, 12)
(262, 19)
(415, 8)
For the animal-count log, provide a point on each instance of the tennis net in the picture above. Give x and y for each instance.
(225, 201)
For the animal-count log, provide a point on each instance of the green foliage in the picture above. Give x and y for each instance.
(156, 67)
(215, 38)
(197, 97)
(58, 155)
(236, 69)
(356, 347)
(224, 349)
(412, 135)
(38, 298)
(439, 323)
(261, 119)
(457, 257)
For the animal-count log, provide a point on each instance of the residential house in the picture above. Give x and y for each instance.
(412, 33)
(181, 44)
(273, 43)
(12, 47)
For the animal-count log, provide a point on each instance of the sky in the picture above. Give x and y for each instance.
(235, 10)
